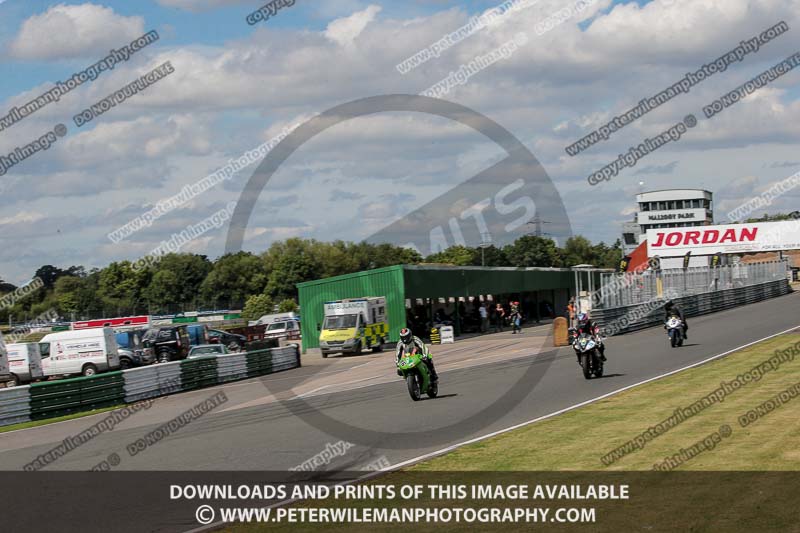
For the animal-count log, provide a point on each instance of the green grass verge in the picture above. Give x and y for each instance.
(36, 423)
(561, 443)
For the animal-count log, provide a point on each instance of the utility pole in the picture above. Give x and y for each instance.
(486, 241)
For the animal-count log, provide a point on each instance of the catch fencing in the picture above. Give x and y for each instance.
(50, 399)
(637, 302)
(630, 288)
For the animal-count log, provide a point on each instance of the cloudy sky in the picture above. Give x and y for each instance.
(237, 85)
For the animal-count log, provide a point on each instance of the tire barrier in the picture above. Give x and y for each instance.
(152, 381)
(15, 405)
(66, 396)
(625, 319)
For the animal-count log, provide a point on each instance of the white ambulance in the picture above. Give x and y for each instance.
(24, 363)
(354, 325)
(85, 351)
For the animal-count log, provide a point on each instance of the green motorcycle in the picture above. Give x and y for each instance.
(417, 376)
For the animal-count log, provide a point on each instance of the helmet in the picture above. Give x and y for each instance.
(669, 304)
(406, 336)
(583, 318)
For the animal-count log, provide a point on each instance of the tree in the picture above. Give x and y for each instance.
(257, 306)
(177, 278)
(289, 263)
(579, 251)
(67, 293)
(287, 306)
(49, 274)
(232, 279)
(455, 255)
(121, 288)
(164, 291)
(608, 256)
(491, 256)
(532, 251)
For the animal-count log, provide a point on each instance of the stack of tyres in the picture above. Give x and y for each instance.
(198, 373)
(67, 396)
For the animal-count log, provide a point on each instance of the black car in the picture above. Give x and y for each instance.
(131, 348)
(233, 341)
(169, 343)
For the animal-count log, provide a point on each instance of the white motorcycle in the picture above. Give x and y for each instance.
(674, 328)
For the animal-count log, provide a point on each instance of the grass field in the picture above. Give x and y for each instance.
(560, 443)
(712, 491)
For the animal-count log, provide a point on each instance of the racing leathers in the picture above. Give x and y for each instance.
(416, 346)
(590, 327)
(674, 310)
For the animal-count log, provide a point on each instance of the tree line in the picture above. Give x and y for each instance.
(261, 283)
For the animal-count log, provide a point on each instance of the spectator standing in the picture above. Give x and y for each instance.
(571, 312)
(516, 319)
(499, 317)
(484, 318)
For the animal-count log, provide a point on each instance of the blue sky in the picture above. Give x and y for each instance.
(236, 86)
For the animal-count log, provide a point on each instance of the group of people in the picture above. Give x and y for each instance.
(499, 317)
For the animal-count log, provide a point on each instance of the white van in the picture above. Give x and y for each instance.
(269, 319)
(84, 351)
(284, 328)
(24, 363)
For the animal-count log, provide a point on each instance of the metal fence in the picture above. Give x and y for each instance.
(620, 290)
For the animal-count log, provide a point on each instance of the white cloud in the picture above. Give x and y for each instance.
(222, 100)
(67, 31)
(345, 30)
(201, 5)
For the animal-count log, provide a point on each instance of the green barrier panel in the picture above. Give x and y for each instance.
(234, 316)
(184, 320)
(66, 396)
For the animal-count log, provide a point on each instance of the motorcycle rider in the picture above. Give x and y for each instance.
(410, 343)
(590, 327)
(672, 309)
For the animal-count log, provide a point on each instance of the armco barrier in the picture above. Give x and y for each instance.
(623, 319)
(15, 405)
(66, 396)
(55, 398)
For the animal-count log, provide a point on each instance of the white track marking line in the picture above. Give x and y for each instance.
(452, 447)
(577, 405)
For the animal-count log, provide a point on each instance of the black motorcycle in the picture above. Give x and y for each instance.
(585, 347)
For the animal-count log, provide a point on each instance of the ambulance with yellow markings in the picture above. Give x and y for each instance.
(354, 325)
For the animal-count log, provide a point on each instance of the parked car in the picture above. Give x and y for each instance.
(84, 351)
(24, 363)
(233, 341)
(169, 343)
(131, 349)
(286, 328)
(203, 350)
